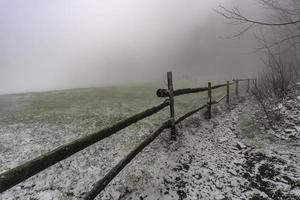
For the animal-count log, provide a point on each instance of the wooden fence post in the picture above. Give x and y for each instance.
(255, 82)
(236, 87)
(227, 94)
(248, 85)
(209, 101)
(172, 110)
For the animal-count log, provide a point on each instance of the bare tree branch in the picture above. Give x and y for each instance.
(235, 14)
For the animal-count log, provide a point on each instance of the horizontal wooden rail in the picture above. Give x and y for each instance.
(180, 119)
(18, 174)
(218, 86)
(219, 100)
(222, 98)
(243, 79)
(165, 92)
(101, 184)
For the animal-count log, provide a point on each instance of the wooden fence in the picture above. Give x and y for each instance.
(24, 171)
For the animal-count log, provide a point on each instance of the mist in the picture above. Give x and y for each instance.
(60, 44)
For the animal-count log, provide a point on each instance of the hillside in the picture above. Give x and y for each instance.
(230, 157)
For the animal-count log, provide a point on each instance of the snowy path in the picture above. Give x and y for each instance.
(210, 162)
(206, 163)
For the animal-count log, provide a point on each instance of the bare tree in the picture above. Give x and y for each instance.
(285, 21)
(279, 41)
(279, 36)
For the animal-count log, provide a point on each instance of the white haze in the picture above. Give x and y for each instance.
(59, 44)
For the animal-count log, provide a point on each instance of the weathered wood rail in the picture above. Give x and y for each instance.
(165, 92)
(24, 171)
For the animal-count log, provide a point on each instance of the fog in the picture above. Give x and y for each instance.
(60, 44)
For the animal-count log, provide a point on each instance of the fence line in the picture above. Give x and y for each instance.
(100, 185)
(18, 174)
(165, 92)
(24, 171)
(219, 100)
(172, 108)
(189, 114)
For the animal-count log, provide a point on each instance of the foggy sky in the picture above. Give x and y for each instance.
(59, 44)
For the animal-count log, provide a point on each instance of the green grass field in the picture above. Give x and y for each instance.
(94, 107)
(34, 123)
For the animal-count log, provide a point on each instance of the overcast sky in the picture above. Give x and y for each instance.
(58, 44)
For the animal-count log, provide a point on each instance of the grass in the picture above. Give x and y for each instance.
(104, 106)
(34, 123)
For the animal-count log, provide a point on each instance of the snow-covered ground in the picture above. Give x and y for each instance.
(229, 157)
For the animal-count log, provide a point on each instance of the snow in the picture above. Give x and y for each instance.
(229, 157)
(296, 191)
